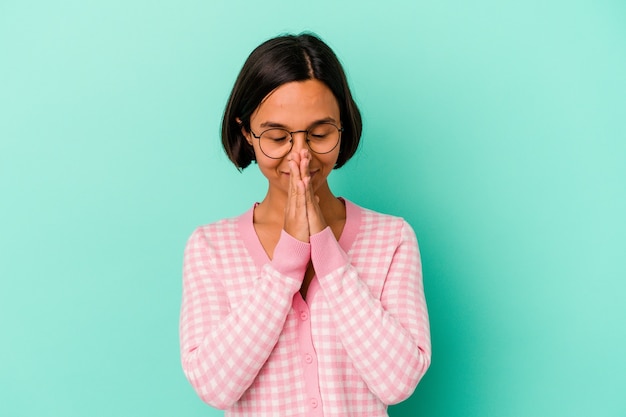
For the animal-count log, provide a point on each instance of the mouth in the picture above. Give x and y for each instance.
(311, 173)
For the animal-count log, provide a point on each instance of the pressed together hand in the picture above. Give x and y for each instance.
(303, 216)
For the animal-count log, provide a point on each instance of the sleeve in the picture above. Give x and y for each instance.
(223, 348)
(387, 339)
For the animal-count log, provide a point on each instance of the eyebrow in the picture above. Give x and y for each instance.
(271, 124)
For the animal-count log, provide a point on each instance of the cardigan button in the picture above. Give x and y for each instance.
(314, 402)
(308, 358)
(304, 315)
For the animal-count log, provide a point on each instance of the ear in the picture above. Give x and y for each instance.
(244, 132)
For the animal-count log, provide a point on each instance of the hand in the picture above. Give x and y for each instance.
(316, 220)
(296, 222)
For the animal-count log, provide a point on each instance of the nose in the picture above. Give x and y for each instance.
(299, 140)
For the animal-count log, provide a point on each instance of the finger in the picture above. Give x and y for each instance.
(301, 203)
(315, 218)
(294, 177)
(301, 191)
(305, 159)
(309, 193)
(296, 223)
(304, 168)
(294, 167)
(294, 156)
(297, 191)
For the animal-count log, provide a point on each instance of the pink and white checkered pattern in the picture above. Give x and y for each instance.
(360, 341)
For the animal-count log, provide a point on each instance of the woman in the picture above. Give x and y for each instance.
(307, 304)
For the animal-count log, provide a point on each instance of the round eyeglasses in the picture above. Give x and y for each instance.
(321, 138)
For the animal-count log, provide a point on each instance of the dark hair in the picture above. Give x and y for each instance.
(276, 62)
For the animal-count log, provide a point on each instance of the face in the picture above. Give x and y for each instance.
(295, 106)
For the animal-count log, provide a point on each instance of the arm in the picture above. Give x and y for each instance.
(222, 348)
(388, 340)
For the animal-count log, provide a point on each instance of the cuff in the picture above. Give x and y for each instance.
(326, 254)
(291, 256)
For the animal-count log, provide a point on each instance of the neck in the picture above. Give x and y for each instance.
(272, 208)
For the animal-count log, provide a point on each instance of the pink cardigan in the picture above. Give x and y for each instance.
(252, 345)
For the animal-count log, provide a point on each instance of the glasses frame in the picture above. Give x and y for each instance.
(307, 140)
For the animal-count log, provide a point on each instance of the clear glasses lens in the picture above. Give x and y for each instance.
(321, 138)
(275, 143)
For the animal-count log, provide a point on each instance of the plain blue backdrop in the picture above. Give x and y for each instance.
(497, 129)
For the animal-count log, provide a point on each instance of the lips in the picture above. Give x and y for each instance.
(311, 173)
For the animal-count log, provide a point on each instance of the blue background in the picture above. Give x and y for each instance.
(497, 129)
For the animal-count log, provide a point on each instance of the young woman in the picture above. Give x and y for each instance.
(307, 304)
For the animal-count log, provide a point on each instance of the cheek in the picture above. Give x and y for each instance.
(267, 165)
(332, 158)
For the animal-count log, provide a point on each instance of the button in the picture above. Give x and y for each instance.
(308, 358)
(304, 315)
(314, 402)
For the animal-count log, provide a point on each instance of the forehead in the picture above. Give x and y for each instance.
(297, 104)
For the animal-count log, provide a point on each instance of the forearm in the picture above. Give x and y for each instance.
(230, 354)
(224, 345)
(387, 339)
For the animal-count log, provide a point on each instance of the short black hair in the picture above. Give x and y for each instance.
(278, 61)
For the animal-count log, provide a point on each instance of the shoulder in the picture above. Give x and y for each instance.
(378, 223)
(221, 231)
(379, 230)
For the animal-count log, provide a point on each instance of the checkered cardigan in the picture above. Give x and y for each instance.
(252, 345)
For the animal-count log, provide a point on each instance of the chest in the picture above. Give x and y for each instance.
(269, 235)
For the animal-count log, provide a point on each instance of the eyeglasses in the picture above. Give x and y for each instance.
(321, 138)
